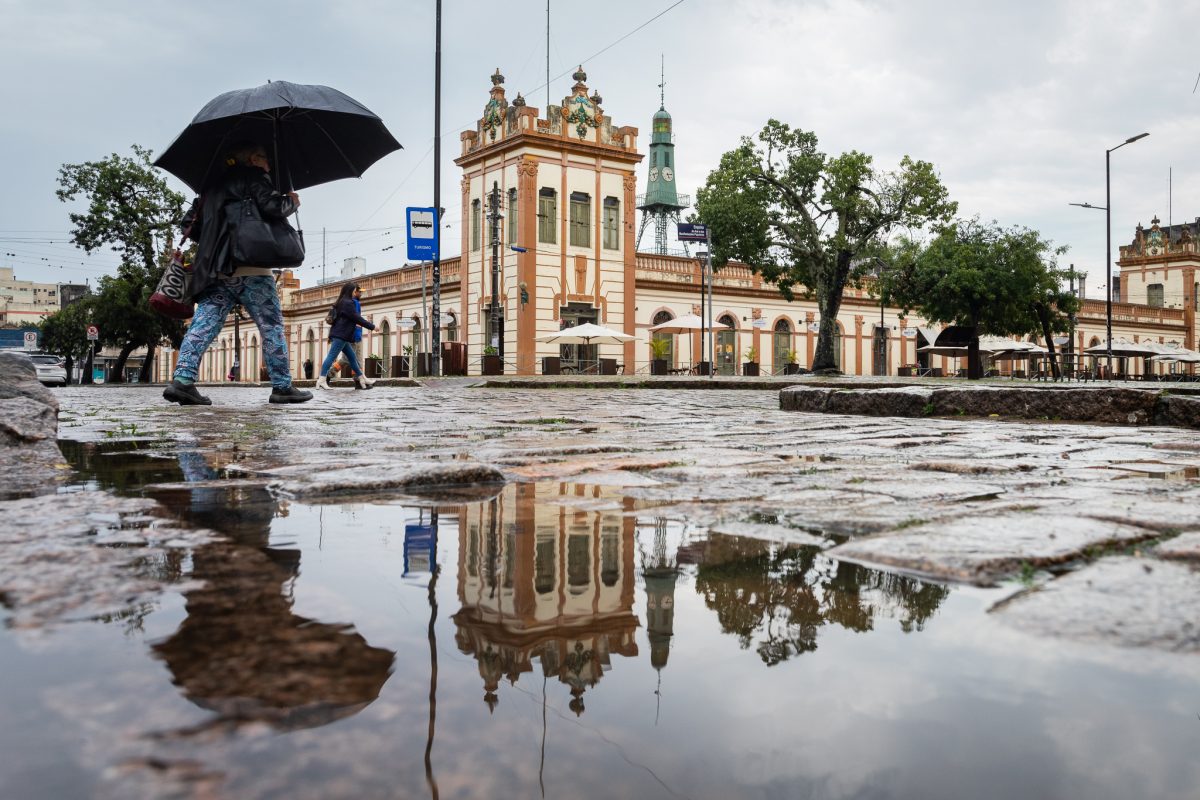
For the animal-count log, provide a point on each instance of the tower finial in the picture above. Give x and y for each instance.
(662, 81)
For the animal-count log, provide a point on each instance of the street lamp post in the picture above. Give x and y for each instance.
(1107, 209)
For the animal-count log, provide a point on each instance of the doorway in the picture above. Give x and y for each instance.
(578, 356)
(726, 346)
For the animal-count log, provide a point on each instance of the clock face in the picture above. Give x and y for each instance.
(668, 175)
(654, 173)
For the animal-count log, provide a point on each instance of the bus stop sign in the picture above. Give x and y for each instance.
(422, 233)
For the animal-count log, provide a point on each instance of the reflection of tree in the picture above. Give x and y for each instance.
(777, 598)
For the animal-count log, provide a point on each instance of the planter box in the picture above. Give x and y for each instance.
(399, 367)
(373, 368)
(263, 375)
(423, 364)
(703, 368)
(658, 366)
(750, 369)
(493, 365)
(551, 365)
(791, 369)
(345, 370)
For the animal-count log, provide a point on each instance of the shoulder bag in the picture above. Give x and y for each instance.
(258, 242)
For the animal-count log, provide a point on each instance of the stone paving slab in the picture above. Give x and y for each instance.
(1186, 546)
(1120, 601)
(982, 550)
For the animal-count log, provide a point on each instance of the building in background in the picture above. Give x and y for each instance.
(560, 193)
(25, 302)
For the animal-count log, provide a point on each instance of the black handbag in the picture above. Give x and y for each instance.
(258, 242)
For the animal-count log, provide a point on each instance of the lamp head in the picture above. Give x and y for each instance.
(1133, 139)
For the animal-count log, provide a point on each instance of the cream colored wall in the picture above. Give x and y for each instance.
(1136, 284)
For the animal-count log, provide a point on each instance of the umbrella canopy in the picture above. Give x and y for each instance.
(682, 324)
(1123, 348)
(314, 135)
(943, 350)
(587, 333)
(1181, 355)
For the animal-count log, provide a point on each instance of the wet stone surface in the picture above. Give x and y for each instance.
(597, 593)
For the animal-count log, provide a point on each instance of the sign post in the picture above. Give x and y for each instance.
(31, 340)
(93, 333)
(423, 245)
(698, 232)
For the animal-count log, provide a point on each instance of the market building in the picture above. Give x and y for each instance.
(560, 196)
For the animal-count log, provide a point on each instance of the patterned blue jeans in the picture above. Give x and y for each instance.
(257, 295)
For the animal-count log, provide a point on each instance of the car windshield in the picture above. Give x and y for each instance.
(53, 360)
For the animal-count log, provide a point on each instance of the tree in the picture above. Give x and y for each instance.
(995, 280)
(803, 219)
(64, 333)
(131, 209)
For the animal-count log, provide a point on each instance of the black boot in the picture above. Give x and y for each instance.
(290, 395)
(186, 394)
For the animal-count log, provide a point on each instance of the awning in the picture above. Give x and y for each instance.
(928, 334)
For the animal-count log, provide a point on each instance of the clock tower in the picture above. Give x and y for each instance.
(661, 202)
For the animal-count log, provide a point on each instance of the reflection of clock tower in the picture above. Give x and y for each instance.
(661, 202)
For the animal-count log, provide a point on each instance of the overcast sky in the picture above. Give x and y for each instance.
(1014, 102)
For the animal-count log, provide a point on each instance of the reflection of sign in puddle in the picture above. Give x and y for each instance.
(1157, 469)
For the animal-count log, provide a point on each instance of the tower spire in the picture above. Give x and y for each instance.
(662, 81)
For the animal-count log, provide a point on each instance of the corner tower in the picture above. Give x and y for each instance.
(559, 193)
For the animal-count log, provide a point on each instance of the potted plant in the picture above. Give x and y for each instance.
(750, 367)
(791, 365)
(659, 348)
(492, 364)
(374, 366)
(400, 363)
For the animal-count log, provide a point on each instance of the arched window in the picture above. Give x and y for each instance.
(581, 219)
(451, 327)
(612, 224)
(781, 345)
(837, 345)
(547, 216)
(727, 352)
(660, 318)
(476, 224)
(512, 216)
(385, 346)
(417, 341)
(311, 346)
(253, 358)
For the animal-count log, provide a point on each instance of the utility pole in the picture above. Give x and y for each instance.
(497, 332)
(1071, 320)
(322, 255)
(435, 322)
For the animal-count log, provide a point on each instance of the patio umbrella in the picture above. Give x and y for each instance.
(317, 135)
(683, 324)
(1124, 349)
(587, 333)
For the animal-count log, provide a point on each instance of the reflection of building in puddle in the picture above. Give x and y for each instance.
(241, 651)
(539, 579)
(777, 597)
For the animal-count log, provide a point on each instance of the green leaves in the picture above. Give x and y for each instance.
(802, 219)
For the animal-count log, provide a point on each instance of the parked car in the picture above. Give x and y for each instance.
(50, 370)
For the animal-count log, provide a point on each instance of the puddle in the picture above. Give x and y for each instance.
(510, 645)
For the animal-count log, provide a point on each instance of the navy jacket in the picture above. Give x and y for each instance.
(347, 321)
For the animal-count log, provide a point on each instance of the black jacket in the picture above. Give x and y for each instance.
(347, 318)
(209, 227)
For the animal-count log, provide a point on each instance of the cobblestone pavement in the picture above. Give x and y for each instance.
(962, 500)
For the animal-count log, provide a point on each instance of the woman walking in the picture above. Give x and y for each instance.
(228, 284)
(343, 334)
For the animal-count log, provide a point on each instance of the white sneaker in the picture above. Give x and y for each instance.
(323, 383)
(363, 382)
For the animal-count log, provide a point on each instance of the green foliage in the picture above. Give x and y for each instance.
(792, 357)
(131, 209)
(489, 350)
(1001, 281)
(752, 355)
(803, 219)
(660, 346)
(64, 333)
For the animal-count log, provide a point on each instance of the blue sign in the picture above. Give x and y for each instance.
(420, 548)
(692, 232)
(422, 233)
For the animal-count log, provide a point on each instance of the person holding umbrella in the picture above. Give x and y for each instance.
(226, 285)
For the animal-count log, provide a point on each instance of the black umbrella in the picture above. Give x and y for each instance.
(317, 134)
